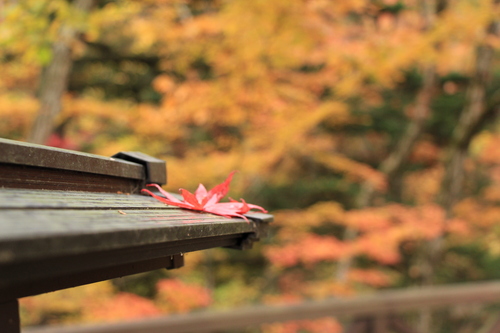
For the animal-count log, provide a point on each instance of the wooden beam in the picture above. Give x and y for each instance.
(27, 154)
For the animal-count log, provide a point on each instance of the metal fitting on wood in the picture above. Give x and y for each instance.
(156, 169)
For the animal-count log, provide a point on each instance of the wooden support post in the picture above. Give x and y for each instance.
(379, 324)
(369, 324)
(399, 326)
(9, 317)
(360, 325)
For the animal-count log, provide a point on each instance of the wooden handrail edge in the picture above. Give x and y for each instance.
(382, 302)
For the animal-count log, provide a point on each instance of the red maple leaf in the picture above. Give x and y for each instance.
(207, 201)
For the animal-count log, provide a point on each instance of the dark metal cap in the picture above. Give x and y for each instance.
(156, 169)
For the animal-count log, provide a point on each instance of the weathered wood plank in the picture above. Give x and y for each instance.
(55, 239)
(28, 154)
(30, 199)
(28, 177)
(31, 234)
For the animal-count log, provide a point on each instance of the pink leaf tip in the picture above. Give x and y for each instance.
(208, 201)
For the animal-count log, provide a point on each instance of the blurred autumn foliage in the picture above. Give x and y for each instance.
(368, 127)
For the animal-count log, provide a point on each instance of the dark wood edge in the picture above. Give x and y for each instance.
(41, 276)
(9, 317)
(22, 153)
(18, 176)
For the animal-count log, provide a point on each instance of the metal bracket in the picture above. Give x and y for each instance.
(156, 169)
(260, 222)
(176, 261)
(246, 243)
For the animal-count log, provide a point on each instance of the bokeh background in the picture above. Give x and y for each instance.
(368, 128)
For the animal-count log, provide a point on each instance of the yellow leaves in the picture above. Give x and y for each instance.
(315, 215)
(176, 296)
(292, 128)
(423, 186)
(457, 41)
(335, 113)
(17, 111)
(119, 307)
(348, 86)
(29, 27)
(235, 293)
(382, 230)
(479, 215)
(492, 242)
(354, 171)
(121, 15)
(425, 152)
(67, 303)
(164, 84)
(370, 277)
(277, 35)
(398, 221)
(152, 122)
(266, 88)
(366, 219)
(202, 26)
(296, 224)
(487, 147)
(209, 170)
(455, 57)
(99, 302)
(17, 76)
(321, 289)
(307, 250)
(492, 193)
(382, 248)
(477, 14)
(256, 82)
(147, 35)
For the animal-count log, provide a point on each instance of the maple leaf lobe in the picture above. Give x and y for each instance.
(207, 201)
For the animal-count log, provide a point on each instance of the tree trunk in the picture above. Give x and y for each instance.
(451, 186)
(468, 124)
(392, 164)
(54, 80)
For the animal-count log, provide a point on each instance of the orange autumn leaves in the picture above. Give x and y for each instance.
(176, 296)
(381, 232)
(275, 102)
(173, 296)
(99, 302)
(122, 306)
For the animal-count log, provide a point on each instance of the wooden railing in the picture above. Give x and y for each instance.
(69, 218)
(375, 313)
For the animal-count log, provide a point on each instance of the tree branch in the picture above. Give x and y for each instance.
(54, 80)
